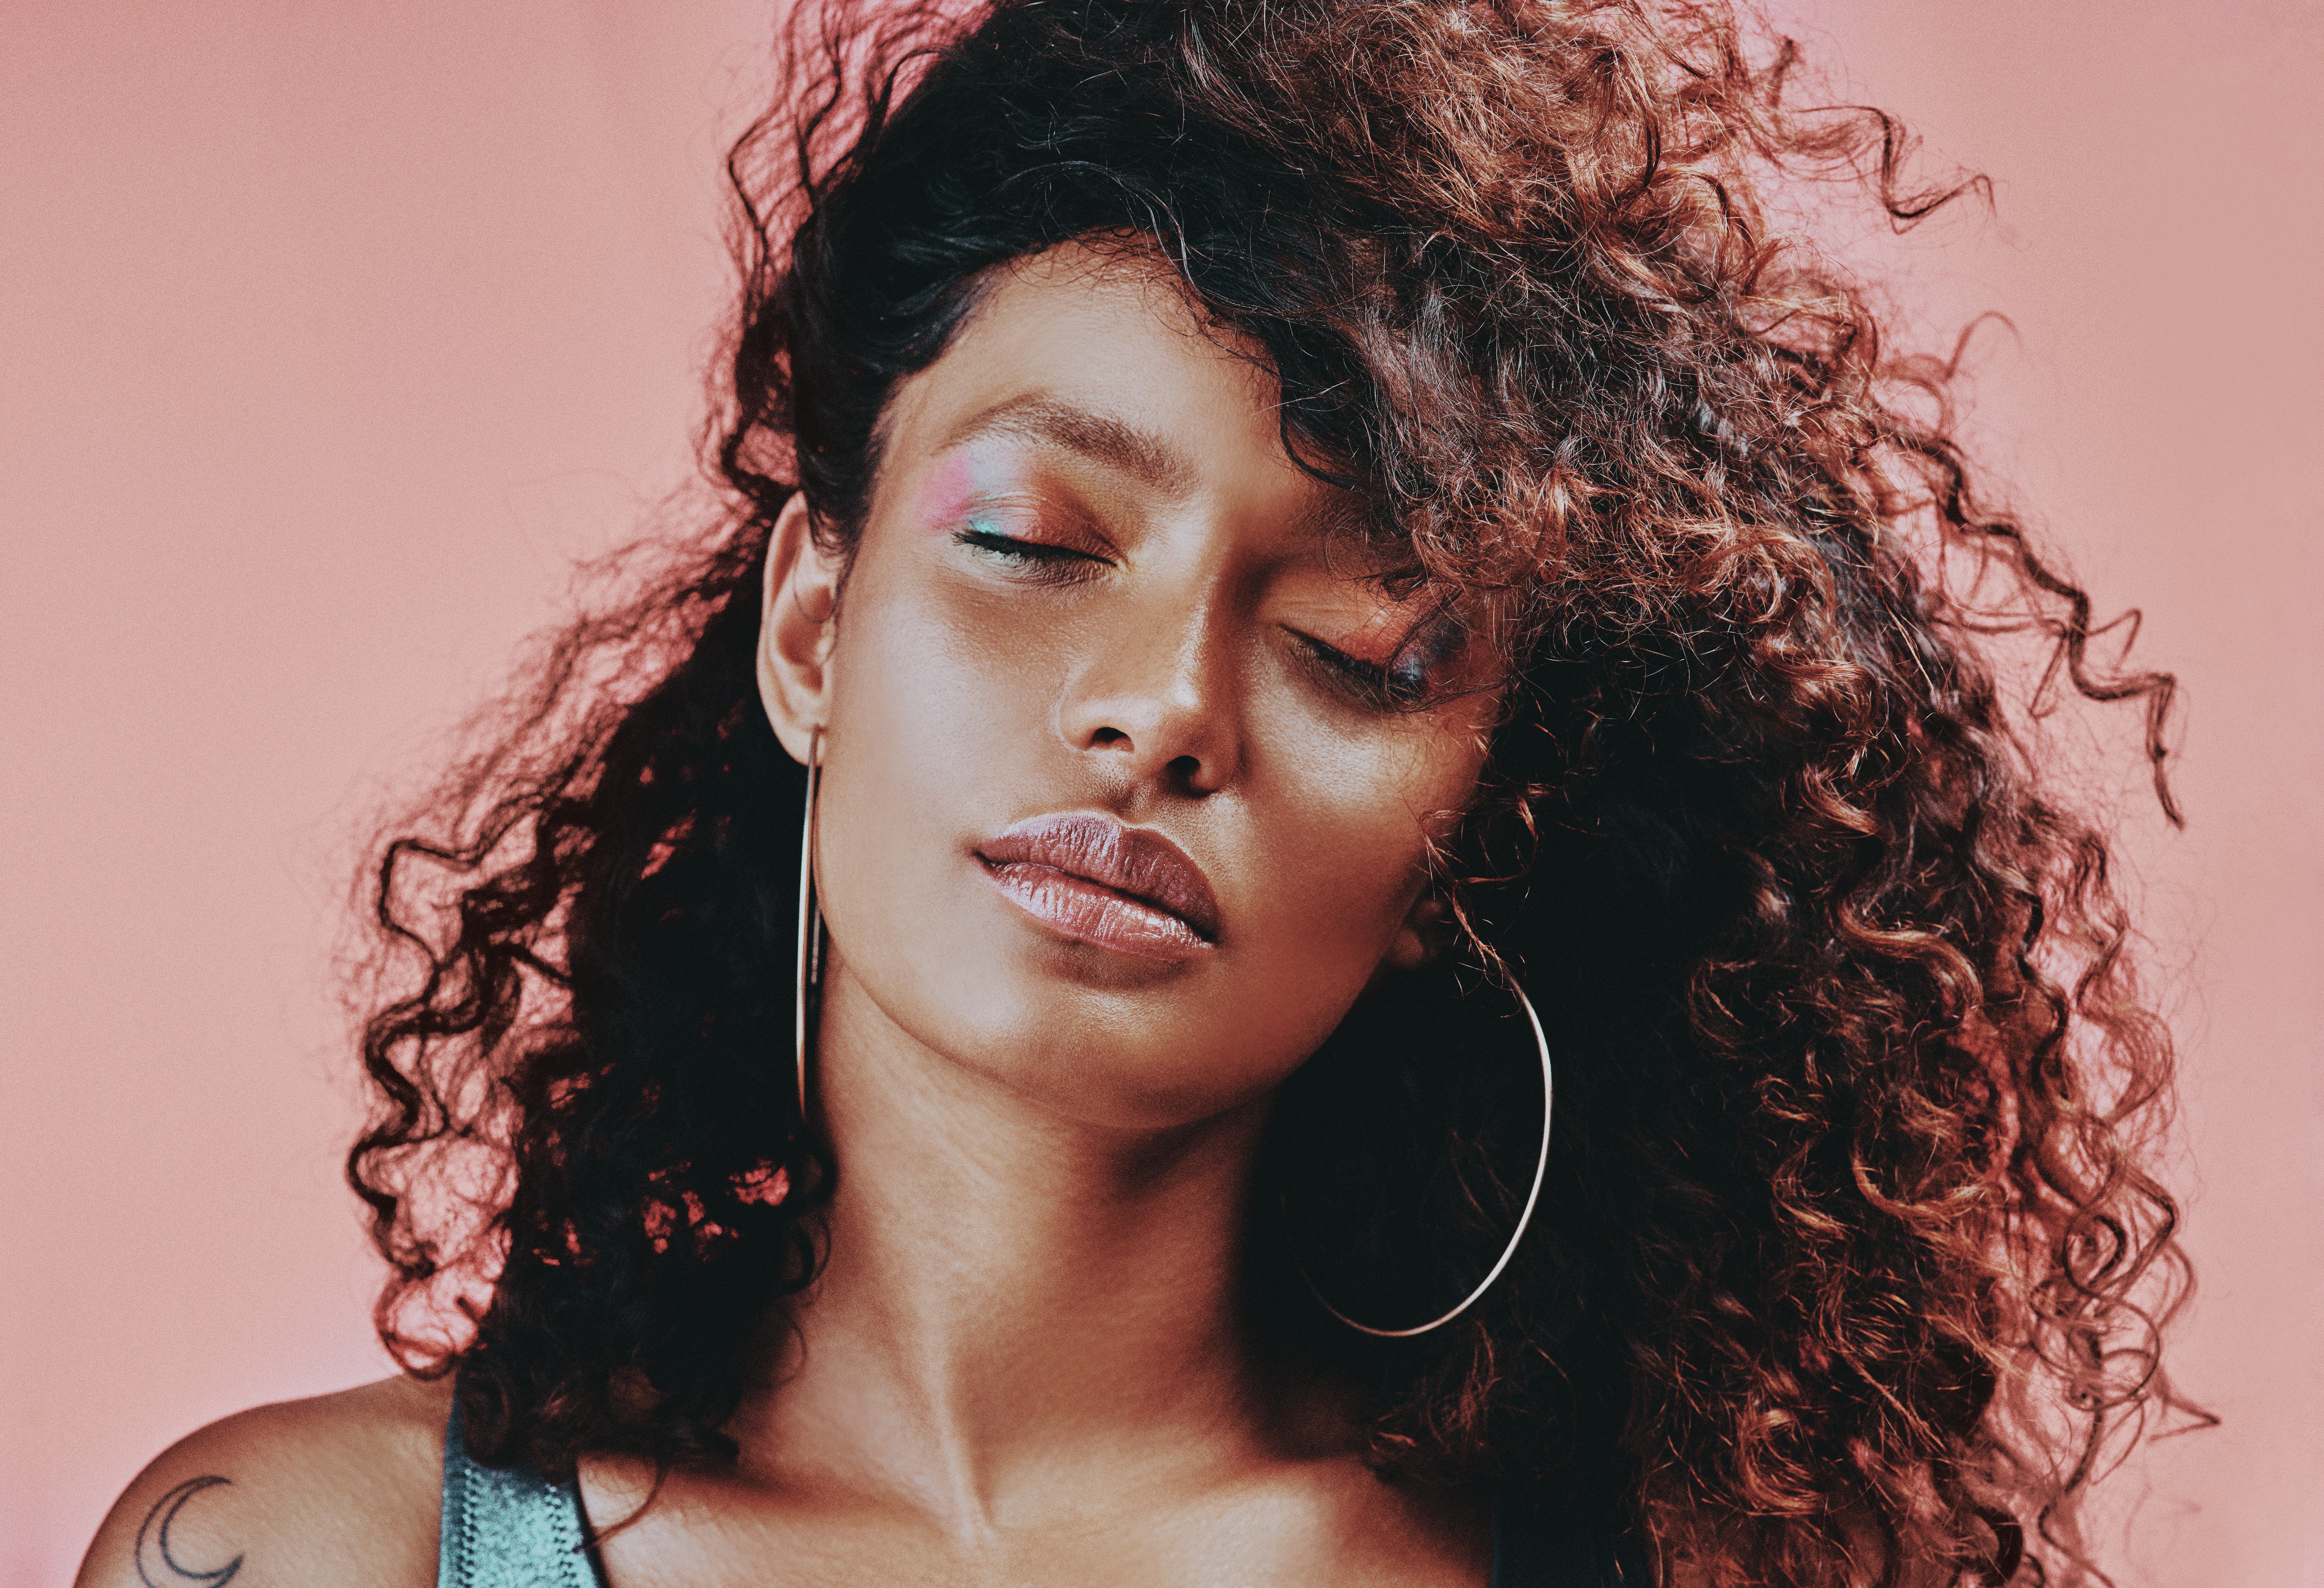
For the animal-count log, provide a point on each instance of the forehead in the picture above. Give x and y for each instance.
(1102, 358)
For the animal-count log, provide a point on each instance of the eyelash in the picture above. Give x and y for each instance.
(1043, 561)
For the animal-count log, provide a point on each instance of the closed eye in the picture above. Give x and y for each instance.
(1041, 561)
(1400, 682)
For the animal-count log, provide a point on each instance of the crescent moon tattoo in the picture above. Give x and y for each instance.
(154, 1531)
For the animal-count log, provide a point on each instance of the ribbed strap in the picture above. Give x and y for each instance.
(506, 1529)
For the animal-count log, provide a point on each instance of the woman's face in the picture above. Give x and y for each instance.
(1121, 807)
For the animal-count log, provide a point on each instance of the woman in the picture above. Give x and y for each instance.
(1430, 955)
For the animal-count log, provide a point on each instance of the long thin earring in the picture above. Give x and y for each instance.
(1540, 1172)
(810, 921)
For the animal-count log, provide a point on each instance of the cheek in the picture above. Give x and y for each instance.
(932, 712)
(917, 718)
(930, 669)
(1342, 822)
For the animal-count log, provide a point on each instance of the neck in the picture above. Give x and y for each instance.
(1011, 1298)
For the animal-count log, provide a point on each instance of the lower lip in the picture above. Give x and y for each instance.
(1078, 909)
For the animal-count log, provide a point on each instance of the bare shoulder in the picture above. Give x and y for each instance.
(342, 1489)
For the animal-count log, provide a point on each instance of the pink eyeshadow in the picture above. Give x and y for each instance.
(949, 493)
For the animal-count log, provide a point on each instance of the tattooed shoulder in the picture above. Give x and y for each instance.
(343, 1488)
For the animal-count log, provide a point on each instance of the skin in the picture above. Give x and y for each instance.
(1022, 1363)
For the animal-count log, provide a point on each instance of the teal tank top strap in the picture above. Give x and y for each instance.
(508, 1529)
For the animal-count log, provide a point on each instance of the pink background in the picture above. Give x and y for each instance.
(329, 332)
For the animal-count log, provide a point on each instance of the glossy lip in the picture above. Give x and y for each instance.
(1094, 881)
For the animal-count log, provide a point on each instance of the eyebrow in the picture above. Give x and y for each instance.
(1101, 438)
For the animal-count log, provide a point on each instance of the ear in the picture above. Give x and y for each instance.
(1425, 932)
(798, 620)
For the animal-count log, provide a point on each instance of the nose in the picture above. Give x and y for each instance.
(1154, 697)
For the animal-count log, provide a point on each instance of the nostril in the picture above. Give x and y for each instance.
(1185, 773)
(1108, 736)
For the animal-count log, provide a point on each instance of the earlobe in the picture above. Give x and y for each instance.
(1422, 935)
(798, 604)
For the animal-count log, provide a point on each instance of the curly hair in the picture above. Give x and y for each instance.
(1848, 1268)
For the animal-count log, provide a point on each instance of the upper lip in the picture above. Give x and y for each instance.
(1135, 862)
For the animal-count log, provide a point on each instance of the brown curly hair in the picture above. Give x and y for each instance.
(1848, 1266)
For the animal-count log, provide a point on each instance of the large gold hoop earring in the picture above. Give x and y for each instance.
(1532, 1197)
(810, 921)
